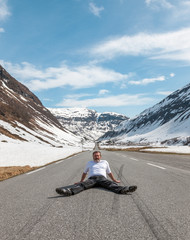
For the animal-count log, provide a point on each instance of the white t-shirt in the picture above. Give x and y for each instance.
(97, 168)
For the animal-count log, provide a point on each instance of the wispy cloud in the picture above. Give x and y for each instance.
(110, 101)
(164, 93)
(146, 81)
(103, 91)
(4, 10)
(79, 95)
(172, 75)
(76, 77)
(47, 99)
(180, 13)
(171, 46)
(2, 30)
(95, 10)
(159, 4)
(177, 11)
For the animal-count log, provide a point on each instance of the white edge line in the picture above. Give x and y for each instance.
(35, 170)
(59, 162)
(134, 159)
(156, 166)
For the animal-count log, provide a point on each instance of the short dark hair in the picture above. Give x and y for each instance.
(97, 152)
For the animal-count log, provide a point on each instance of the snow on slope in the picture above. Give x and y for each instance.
(166, 122)
(32, 154)
(171, 131)
(33, 151)
(52, 136)
(72, 112)
(29, 133)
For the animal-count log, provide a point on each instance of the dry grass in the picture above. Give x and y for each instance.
(142, 150)
(8, 172)
(134, 149)
(12, 171)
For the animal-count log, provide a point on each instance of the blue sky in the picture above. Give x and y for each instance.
(108, 55)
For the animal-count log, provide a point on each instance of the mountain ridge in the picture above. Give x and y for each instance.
(171, 112)
(86, 122)
(23, 117)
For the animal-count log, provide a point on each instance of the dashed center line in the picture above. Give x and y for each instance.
(35, 170)
(156, 166)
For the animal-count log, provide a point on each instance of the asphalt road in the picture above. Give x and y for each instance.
(159, 209)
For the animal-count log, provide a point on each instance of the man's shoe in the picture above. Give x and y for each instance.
(64, 191)
(126, 190)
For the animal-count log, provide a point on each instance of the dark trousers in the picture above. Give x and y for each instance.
(96, 181)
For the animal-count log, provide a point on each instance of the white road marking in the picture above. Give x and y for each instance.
(35, 170)
(156, 166)
(134, 159)
(63, 160)
(59, 162)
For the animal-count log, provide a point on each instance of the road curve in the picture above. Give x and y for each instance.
(159, 209)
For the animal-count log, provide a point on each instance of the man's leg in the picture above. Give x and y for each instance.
(114, 187)
(77, 188)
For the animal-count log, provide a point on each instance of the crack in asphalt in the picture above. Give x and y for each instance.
(32, 222)
(154, 225)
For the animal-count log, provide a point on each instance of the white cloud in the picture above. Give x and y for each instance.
(171, 46)
(180, 13)
(164, 93)
(4, 11)
(178, 10)
(2, 30)
(79, 95)
(76, 77)
(111, 101)
(159, 4)
(95, 10)
(47, 99)
(172, 75)
(146, 81)
(186, 3)
(103, 91)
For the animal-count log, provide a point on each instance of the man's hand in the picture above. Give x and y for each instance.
(113, 179)
(76, 182)
(83, 177)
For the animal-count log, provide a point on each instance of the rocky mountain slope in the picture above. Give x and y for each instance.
(24, 118)
(87, 123)
(167, 122)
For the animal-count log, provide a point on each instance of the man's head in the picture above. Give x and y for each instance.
(97, 156)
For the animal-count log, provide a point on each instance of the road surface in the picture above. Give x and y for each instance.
(159, 209)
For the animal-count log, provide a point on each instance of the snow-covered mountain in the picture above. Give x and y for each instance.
(166, 122)
(87, 123)
(24, 118)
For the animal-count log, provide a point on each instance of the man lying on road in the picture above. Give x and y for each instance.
(97, 171)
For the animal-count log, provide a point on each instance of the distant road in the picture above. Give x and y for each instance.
(159, 209)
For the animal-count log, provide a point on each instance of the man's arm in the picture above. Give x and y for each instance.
(112, 178)
(83, 177)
